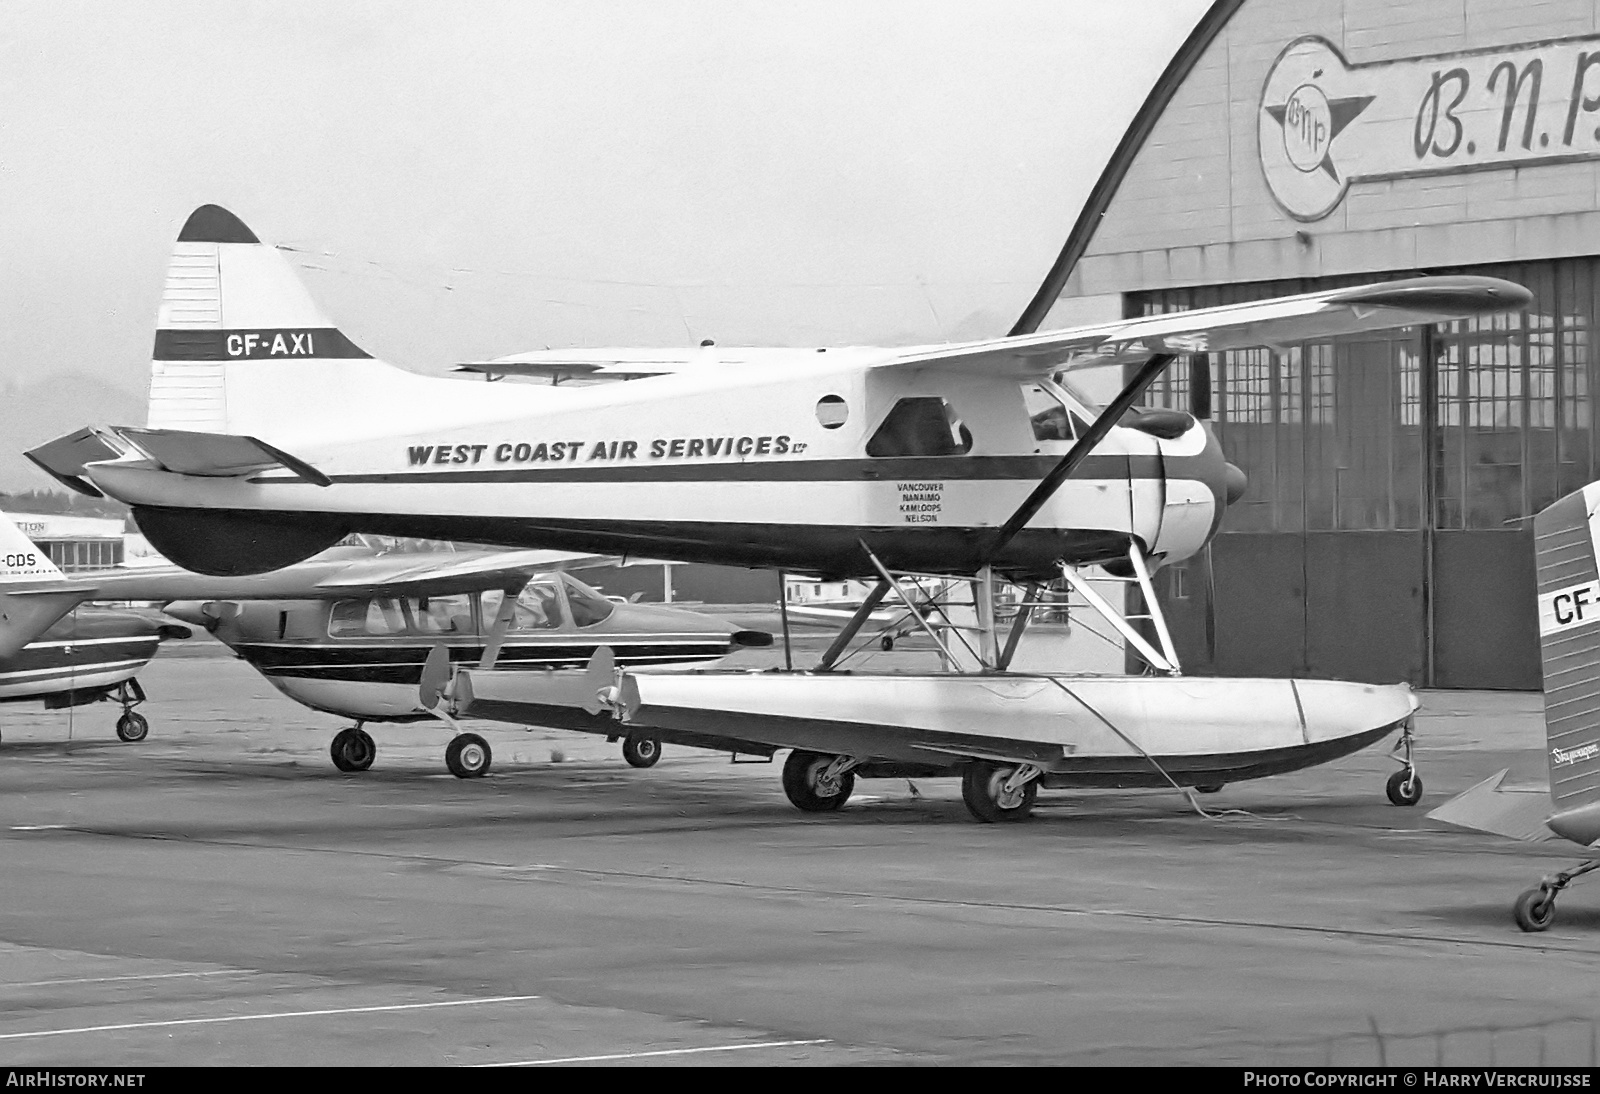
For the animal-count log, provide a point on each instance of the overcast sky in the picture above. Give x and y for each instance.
(477, 179)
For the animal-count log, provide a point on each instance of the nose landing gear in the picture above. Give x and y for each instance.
(131, 726)
(353, 749)
(468, 756)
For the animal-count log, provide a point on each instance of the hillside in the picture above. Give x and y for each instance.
(33, 413)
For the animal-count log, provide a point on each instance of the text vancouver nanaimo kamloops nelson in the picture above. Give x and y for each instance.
(587, 451)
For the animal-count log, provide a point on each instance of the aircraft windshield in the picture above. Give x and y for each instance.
(1047, 414)
(588, 607)
(537, 608)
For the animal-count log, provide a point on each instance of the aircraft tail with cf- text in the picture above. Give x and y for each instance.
(1567, 545)
(33, 592)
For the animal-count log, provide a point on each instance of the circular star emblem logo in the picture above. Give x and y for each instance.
(1302, 116)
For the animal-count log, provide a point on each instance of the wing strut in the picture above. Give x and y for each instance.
(1080, 451)
(857, 621)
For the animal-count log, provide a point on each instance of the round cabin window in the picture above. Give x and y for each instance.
(832, 412)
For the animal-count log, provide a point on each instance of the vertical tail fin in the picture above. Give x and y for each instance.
(230, 302)
(1566, 542)
(33, 591)
(21, 559)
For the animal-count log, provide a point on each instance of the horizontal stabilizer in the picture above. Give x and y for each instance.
(1517, 813)
(26, 614)
(216, 455)
(64, 458)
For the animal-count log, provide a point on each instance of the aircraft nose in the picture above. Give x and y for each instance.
(1236, 482)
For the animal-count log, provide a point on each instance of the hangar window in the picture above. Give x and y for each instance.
(921, 425)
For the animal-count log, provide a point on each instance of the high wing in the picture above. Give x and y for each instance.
(558, 367)
(1277, 322)
(398, 575)
(594, 365)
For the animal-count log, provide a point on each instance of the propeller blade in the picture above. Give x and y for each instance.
(435, 675)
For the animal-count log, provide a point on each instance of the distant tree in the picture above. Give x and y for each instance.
(57, 501)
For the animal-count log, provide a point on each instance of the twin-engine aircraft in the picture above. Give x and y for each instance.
(1567, 544)
(272, 435)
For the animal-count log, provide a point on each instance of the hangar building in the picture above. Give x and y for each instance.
(1294, 145)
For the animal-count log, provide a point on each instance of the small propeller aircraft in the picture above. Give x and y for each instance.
(358, 652)
(1567, 543)
(347, 632)
(64, 657)
(271, 435)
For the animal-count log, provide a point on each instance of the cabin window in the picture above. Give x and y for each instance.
(358, 618)
(444, 615)
(588, 607)
(1048, 414)
(538, 607)
(921, 425)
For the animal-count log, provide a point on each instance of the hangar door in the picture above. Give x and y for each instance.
(1386, 533)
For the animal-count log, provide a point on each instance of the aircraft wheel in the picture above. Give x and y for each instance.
(1209, 788)
(132, 727)
(468, 756)
(983, 788)
(641, 751)
(886, 642)
(1534, 910)
(1404, 787)
(353, 750)
(802, 782)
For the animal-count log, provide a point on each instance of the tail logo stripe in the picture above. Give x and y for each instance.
(259, 344)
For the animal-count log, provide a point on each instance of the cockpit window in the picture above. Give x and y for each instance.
(1048, 414)
(921, 425)
(538, 607)
(588, 607)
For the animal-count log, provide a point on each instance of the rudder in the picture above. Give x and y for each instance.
(1565, 543)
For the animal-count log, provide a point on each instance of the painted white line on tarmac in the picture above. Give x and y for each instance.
(114, 979)
(657, 1052)
(264, 1017)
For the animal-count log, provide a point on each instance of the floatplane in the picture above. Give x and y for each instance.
(272, 434)
(348, 632)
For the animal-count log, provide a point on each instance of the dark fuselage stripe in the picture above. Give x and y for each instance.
(986, 468)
